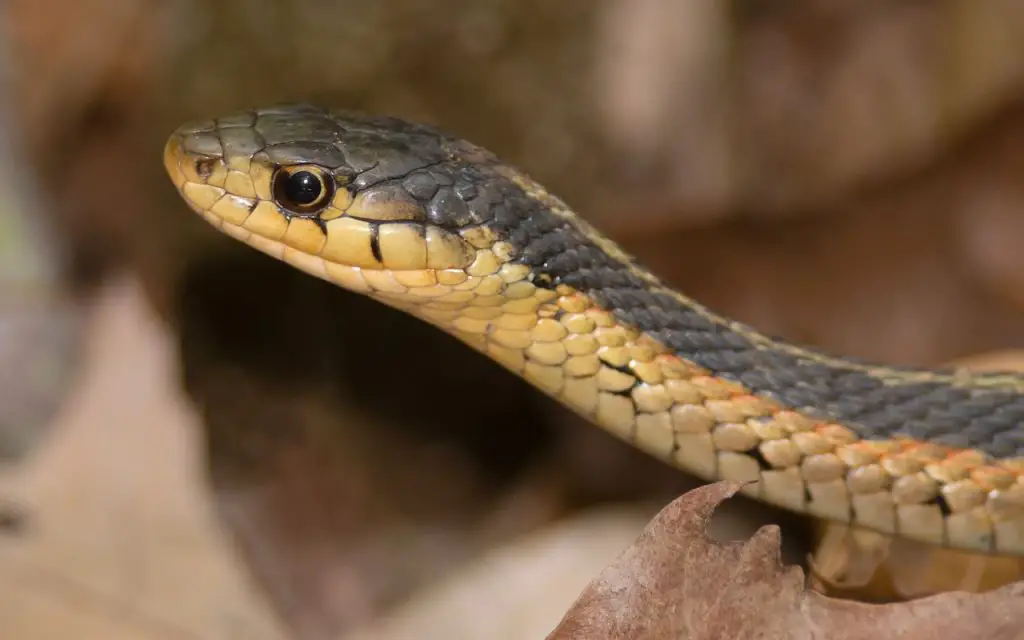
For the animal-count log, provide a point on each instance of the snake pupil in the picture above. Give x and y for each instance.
(302, 188)
(303, 191)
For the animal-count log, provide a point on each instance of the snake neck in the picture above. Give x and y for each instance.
(584, 269)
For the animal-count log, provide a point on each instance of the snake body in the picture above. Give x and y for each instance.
(438, 227)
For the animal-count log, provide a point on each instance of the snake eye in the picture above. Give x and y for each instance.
(303, 190)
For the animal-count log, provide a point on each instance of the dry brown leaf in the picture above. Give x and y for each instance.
(675, 582)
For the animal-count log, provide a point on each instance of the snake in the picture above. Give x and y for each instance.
(433, 225)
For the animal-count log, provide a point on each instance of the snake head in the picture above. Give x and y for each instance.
(358, 200)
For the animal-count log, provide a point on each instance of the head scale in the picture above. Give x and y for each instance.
(378, 205)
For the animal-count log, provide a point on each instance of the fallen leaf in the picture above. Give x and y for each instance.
(677, 583)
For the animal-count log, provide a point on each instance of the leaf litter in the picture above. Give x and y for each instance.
(676, 583)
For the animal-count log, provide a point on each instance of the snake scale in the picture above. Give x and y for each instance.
(440, 228)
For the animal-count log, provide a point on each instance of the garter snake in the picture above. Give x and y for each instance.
(440, 228)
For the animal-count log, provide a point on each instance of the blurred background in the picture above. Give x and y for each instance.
(199, 442)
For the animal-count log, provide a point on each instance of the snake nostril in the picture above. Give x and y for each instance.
(204, 168)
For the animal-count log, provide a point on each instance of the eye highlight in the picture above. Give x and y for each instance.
(304, 190)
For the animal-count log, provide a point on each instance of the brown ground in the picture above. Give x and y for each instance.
(118, 539)
(110, 532)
